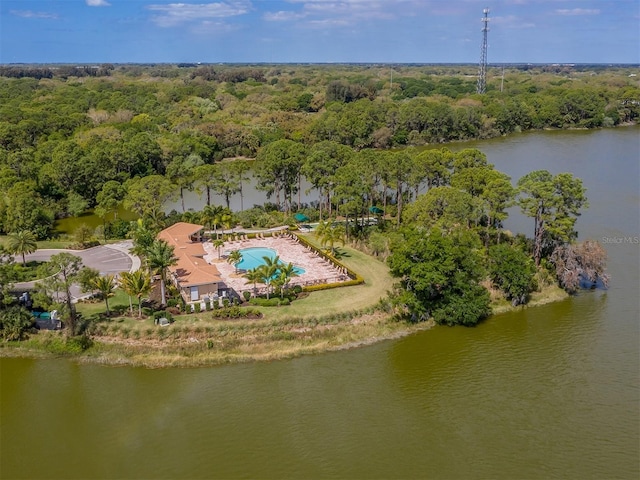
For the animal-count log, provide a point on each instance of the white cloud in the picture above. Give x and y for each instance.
(98, 3)
(283, 16)
(32, 14)
(208, 27)
(347, 12)
(578, 11)
(173, 14)
(511, 21)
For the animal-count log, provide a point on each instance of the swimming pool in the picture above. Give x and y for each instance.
(252, 258)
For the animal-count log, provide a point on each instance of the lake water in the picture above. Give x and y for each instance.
(548, 392)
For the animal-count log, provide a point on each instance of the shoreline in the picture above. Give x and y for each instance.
(242, 341)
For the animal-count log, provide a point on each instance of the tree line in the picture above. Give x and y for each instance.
(63, 138)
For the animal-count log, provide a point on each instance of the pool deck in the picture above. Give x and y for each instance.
(317, 269)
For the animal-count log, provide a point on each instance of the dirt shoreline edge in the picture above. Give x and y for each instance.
(249, 342)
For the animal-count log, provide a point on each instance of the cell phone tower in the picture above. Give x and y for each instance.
(482, 74)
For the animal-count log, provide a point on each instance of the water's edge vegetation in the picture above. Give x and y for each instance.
(238, 341)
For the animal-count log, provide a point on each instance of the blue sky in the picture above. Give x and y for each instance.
(395, 31)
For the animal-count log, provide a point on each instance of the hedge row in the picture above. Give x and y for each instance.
(272, 302)
(355, 278)
(327, 286)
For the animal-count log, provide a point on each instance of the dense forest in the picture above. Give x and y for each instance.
(66, 131)
(105, 137)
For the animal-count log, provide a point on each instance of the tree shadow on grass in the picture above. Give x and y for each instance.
(340, 254)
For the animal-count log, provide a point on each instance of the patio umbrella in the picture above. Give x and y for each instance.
(300, 217)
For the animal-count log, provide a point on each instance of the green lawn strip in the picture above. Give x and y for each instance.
(96, 306)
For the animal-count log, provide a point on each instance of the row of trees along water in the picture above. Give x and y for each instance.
(67, 131)
(446, 246)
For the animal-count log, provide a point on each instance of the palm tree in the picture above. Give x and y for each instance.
(321, 229)
(234, 258)
(22, 243)
(332, 235)
(254, 276)
(218, 244)
(287, 272)
(227, 220)
(105, 285)
(269, 270)
(135, 284)
(160, 256)
(212, 216)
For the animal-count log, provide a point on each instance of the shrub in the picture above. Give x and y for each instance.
(119, 310)
(225, 303)
(235, 312)
(272, 302)
(78, 344)
(327, 286)
(512, 271)
(246, 295)
(15, 322)
(72, 345)
(119, 228)
(163, 314)
(197, 307)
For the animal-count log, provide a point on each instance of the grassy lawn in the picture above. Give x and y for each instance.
(378, 282)
(94, 307)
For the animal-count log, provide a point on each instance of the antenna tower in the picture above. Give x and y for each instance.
(482, 74)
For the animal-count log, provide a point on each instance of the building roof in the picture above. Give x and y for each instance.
(191, 269)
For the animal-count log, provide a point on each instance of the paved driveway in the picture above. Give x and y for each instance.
(114, 258)
(104, 258)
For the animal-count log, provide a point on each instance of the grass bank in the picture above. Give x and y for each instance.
(326, 320)
(205, 343)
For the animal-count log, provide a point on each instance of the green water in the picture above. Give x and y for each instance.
(548, 392)
(69, 225)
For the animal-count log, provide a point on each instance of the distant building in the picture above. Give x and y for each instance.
(192, 275)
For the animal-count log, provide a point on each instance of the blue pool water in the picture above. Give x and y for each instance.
(252, 258)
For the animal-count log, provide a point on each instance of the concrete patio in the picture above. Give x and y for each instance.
(317, 269)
